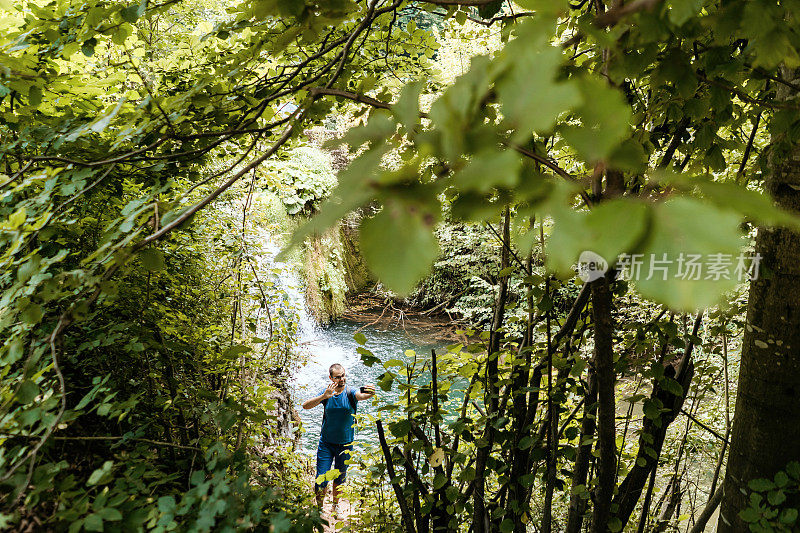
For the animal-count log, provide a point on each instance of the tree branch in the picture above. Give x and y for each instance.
(475, 3)
(222, 188)
(356, 97)
(103, 437)
(615, 14)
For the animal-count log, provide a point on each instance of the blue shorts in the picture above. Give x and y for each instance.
(332, 454)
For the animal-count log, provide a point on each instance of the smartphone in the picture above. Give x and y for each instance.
(367, 389)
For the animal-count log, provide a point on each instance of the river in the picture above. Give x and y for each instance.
(335, 344)
(319, 347)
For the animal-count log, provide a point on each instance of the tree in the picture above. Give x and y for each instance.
(765, 438)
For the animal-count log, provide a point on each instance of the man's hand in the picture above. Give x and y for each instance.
(313, 402)
(369, 392)
(330, 391)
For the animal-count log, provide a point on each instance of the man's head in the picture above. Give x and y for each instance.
(336, 372)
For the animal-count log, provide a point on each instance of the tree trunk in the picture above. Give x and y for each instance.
(606, 429)
(766, 423)
(577, 502)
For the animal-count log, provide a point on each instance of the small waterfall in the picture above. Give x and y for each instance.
(317, 348)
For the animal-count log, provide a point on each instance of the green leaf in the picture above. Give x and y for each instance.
(93, 522)
(672, 386)
(773, 47)
(103, 121)
(578, 367)
(32, 314)
(550, 7)
(166, 504)
(507, 525)
(101, 474)
(749, 514)
(400, 428)
(793, 469)
(788, 516)
(15, 351)
(454, 112)
(28, 391)
(530, 96)
(489, 10)
(681, 11)
(406, 110)
(757, 207)
(235, 350)
(280, 523)
(110, 514)
(715, 158)
(130, 13)
(351, 192)
(88, 47)
(489, 169)
(686, 232)
(17, 218)
(761, 485)
(611, 228)
(652, 409)
(399, 245)
(776, 497)
(152, 259)
(360, 338)
(291, 8)
(629, 156)
(605, 118)
(34, 96)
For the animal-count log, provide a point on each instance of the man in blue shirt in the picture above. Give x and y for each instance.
(336, 437)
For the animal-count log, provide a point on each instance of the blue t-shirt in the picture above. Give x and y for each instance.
(338, 420)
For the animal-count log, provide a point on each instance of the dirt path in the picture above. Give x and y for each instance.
(336, 524)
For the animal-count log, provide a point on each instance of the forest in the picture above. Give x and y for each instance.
(591, 208)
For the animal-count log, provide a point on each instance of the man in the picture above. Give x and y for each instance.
(336, 437)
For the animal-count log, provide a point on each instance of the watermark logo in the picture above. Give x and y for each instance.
(689, 267)
(683, 266)
(591, 266)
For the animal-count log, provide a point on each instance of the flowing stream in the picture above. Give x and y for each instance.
(320, 347)
(335, 344)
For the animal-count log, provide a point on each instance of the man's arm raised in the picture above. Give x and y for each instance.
(313, 402)
(370, 392)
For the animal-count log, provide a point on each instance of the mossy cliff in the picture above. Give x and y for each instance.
(333, 268)
(330, 265)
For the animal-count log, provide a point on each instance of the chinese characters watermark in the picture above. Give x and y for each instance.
(684, 266)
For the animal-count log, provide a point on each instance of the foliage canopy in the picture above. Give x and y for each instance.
(636, 128)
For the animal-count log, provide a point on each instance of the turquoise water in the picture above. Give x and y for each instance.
(335, 344)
